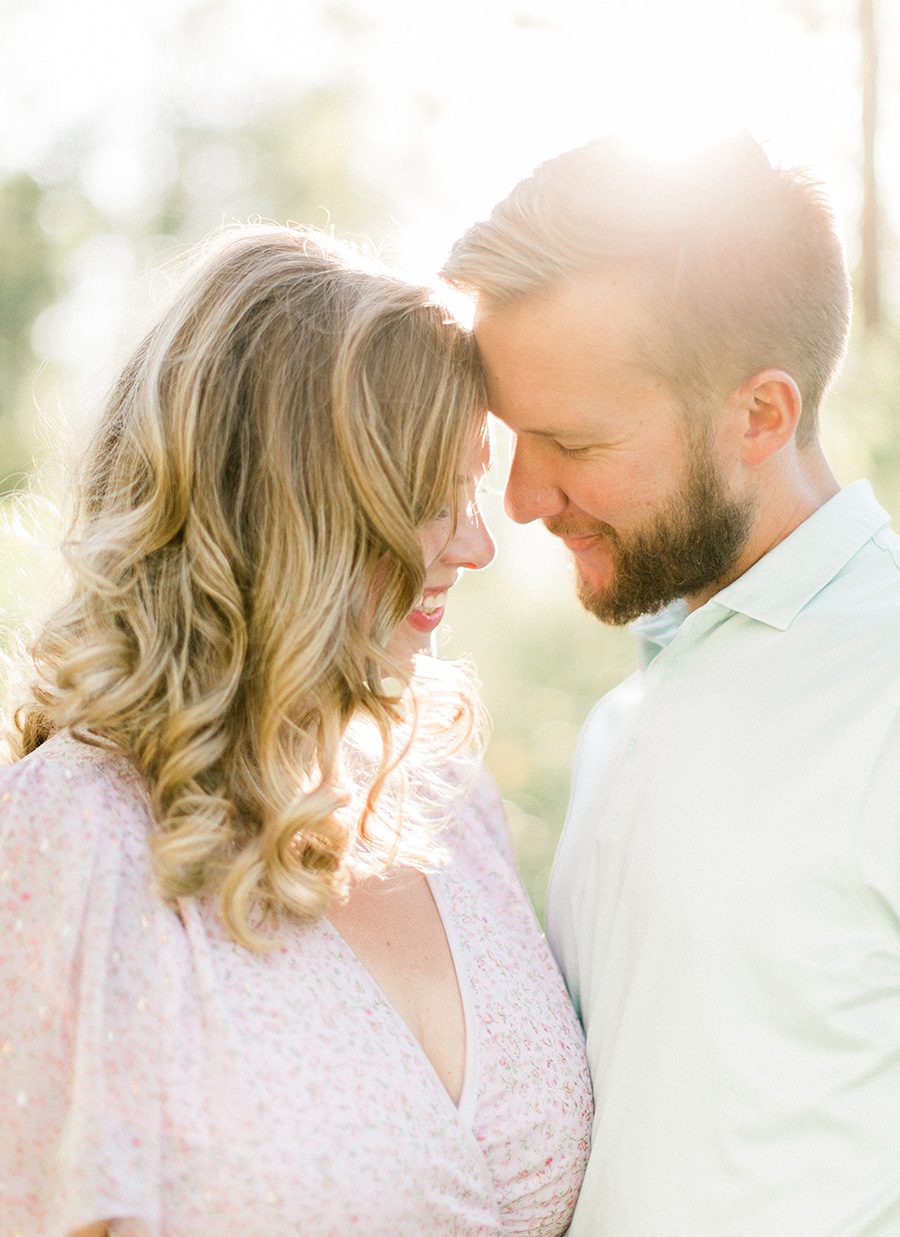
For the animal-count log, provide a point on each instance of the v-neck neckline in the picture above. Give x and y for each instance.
(464, 1107)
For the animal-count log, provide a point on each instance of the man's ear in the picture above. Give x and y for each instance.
(769, 405)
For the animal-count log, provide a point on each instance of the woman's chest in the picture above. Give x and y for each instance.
(296, 1085)
(297, 1100)
(396, 932)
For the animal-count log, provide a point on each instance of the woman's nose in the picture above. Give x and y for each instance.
(472, 545)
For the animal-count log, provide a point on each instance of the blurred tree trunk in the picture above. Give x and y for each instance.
(870, 290)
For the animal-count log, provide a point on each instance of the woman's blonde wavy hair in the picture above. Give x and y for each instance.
(244, 543)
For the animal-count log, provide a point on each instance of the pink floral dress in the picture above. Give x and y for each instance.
(155, 1073)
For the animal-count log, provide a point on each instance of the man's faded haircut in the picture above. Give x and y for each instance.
(739, 261)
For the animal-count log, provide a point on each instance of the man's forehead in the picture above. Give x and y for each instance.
(582, 323)
(554, 376)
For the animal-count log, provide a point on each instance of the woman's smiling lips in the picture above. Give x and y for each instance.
(430, 610)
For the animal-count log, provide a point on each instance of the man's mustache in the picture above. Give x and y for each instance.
(568, 528)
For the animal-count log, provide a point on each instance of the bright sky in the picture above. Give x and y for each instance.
(513, 81)
(509, 82)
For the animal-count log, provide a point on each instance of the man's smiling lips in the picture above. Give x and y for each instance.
(575, 539)
(580, 544)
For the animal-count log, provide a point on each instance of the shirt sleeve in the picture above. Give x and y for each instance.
(79, 1069)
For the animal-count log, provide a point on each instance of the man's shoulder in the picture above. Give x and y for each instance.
(613, 710)
(869, 584)
(887, 542)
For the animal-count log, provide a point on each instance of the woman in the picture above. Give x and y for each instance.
(267, 965)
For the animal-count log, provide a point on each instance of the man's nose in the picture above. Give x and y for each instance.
(530, 491)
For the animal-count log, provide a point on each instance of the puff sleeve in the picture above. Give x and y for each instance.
(80, 1139)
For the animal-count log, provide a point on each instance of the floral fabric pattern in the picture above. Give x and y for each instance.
(155, 1073)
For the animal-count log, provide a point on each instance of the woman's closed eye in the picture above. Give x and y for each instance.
(471, 488)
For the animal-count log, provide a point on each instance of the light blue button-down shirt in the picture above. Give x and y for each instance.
(725, 903)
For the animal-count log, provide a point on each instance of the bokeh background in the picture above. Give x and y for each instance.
(130, 130)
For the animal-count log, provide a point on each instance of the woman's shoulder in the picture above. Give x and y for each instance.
(66, 805)
(479, 815)
(67, 772)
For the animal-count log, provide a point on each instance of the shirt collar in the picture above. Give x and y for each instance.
(777, 587)
(655, 631)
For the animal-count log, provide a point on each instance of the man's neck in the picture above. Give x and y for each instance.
(787, 498)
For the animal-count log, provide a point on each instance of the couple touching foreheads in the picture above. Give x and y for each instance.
(268, 967)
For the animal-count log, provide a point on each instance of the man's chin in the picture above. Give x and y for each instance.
(609, 605)
(600, 602)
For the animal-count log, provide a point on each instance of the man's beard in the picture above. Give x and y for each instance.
(688, 546)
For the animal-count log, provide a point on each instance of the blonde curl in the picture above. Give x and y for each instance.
(244, 543)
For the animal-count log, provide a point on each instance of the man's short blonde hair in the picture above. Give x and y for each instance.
(739, 260)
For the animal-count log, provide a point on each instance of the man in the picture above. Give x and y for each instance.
(725, 901)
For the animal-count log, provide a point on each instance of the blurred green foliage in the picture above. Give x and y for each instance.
(29, 278)
(300, 157)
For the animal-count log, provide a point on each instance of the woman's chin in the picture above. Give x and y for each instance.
(407, 644)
